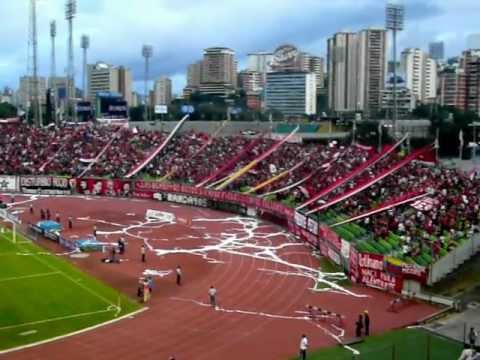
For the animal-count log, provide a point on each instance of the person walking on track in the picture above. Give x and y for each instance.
(212, 293)
(178, 271)
(70, 222)
(359, 326)
(143, 252)
(366, 323)
(472, 336)
(303, 347)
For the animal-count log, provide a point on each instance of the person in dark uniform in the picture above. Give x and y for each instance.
(95, 231)
(31, 209)
(48, 214)
(143, 252)
(359, 326)
(42, 214)
(57, 218)
(366, 321)
(178, 271)
(121, 246)
(70, 222)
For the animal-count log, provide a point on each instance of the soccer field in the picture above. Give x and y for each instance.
(43, 296)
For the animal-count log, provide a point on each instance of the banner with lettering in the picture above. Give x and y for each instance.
(103, 187)
(372, 272)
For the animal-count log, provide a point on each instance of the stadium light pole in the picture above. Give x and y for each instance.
(395, 15)
(147, 53)
(85, 44)
(53, 70)
(70, 12)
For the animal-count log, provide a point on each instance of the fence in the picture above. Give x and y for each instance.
(453, 259)
(407, 344)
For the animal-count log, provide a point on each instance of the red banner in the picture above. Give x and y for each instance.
(144, 187)
(104, 187)
(372, 272)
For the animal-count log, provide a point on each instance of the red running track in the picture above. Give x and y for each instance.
(176, 322)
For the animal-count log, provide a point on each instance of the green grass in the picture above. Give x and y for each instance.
(44, 296)
(409, 344)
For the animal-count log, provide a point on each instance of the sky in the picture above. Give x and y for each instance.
(179, 30)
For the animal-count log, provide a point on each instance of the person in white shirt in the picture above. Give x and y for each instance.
(178, 270)
(303, 347)
(467, 353)
(212, 292)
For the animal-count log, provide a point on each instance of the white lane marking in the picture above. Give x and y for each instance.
(13, 278)
(29, 332)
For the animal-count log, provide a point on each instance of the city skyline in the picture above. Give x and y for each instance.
(179, 32)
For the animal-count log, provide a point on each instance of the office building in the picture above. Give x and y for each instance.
(102, 77)
(219, 66)
(420, 74)
(436, 50)
(260, 62)
(406, 101)
(250, 81)
(25, 87)
(372, 70)
(162, 91)
(471, 66)
(291, 93)
(452, 87)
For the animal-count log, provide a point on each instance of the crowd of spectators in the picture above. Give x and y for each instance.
(451, 212)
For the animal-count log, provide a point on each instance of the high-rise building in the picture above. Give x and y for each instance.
(219, 66)
(6, 96)
(405, 100)
(420, 74)
(260, 62)
(471, 66)
(291, 93)
(342, 72)
(372, 69)
(316, 65)
(250, 81)
(24, 89)
(452, 87)
(357, 67)
(162, 91)
(103, 77)
(436, 50)
(194, 74)
(218, 73)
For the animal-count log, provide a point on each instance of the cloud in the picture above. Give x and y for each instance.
(180, 30)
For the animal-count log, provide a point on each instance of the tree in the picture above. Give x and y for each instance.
(7, 110)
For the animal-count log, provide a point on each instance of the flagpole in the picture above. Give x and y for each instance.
(460, 148)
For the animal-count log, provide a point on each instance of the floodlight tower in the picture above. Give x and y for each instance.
(147, 53)
(34, 89)
(395, 15)
(53, 70)
(70, 12)
(85, 44)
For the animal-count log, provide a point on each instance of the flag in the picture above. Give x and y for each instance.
(460, 137)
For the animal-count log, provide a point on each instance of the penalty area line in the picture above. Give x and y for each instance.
(90, 328)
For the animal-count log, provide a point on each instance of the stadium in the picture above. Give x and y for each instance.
(112, 238)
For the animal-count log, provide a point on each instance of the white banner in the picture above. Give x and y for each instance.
(9, 183)
(161, 109)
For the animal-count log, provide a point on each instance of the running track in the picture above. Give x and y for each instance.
(177, 322)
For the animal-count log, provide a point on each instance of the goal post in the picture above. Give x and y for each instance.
(8, 226)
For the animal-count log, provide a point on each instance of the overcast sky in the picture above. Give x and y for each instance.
(180, 29)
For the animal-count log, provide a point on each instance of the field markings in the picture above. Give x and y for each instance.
(73, 316)
(68, 277)
(90, 328)
(22, 277)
